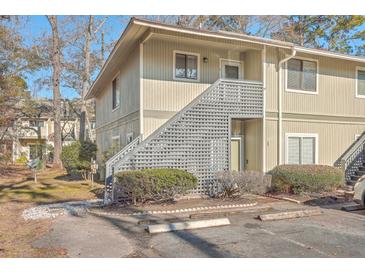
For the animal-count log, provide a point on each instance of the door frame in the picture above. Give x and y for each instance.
(231, 62)
(240, 138)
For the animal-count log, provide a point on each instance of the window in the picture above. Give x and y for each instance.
(186, 66)
(360, 82)
(115, 144)
(231, 72)
(36, 123)
(129, 137)
(115, 94)
(301, 149)
(302, 75)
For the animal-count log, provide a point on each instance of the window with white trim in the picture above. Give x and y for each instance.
(301, 150)
(360, 85)
(186, 66)
(302, 75)
(115, 94)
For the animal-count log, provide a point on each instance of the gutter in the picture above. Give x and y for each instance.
(280, 105)
(219, 34)
(330, 54)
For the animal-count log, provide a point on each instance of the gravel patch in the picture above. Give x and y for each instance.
(75, 208)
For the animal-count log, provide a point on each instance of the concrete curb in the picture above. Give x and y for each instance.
(228, 212)
(290, 214)
(182, 210)
(283, 198)
(187, 225)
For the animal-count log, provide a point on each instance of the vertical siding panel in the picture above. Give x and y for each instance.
(162, 93)
(333, 138)
(336, 87)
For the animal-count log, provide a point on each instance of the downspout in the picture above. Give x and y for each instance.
(280, 106)
(263, 60)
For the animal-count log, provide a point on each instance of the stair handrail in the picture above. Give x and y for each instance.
(353, 152)
(119, 155)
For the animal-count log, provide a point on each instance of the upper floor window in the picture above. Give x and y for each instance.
(115, 94)
(186, 65)
(302, 75)
(360, 85)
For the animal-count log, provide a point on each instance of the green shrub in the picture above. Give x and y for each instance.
(22, 160)
(306, 178)
(154, 184)
(76, 157)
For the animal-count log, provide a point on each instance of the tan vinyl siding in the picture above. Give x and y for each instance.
(253, 144)
(271, 144)
(128, 84)
(120, 128)
(333, 138)
(125, 118)
(271, 79)
(252, 65)
(162, 93)
(336, 91)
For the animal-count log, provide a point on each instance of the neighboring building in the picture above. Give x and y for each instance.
(209, 101)
(32, 134)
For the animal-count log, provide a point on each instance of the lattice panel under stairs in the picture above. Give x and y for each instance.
(197, 138)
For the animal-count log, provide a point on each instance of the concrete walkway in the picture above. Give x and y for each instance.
(86, 237)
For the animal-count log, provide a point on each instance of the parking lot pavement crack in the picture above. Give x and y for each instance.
(295, 242)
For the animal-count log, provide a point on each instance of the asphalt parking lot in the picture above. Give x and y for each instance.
(334, 233)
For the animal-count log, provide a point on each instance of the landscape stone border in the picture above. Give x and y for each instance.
(181, 210)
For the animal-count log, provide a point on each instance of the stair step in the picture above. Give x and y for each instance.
(362, 168)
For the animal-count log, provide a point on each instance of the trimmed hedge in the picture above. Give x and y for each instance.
(154, 184)
(306, 178)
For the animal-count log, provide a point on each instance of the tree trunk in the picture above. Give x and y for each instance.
(56, 65)
(86, 79)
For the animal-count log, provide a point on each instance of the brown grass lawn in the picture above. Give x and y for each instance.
(18, 191)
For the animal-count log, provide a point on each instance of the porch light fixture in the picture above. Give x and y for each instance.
(205, 59)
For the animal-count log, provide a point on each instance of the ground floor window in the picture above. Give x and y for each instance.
(301, 149)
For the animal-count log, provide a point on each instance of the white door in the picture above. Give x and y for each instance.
(236, 154)
(231, 69)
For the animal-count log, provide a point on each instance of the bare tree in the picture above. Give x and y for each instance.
(84, 55)
(86, 77)
(56, 68)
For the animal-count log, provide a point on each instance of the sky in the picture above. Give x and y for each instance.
(36, 26)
